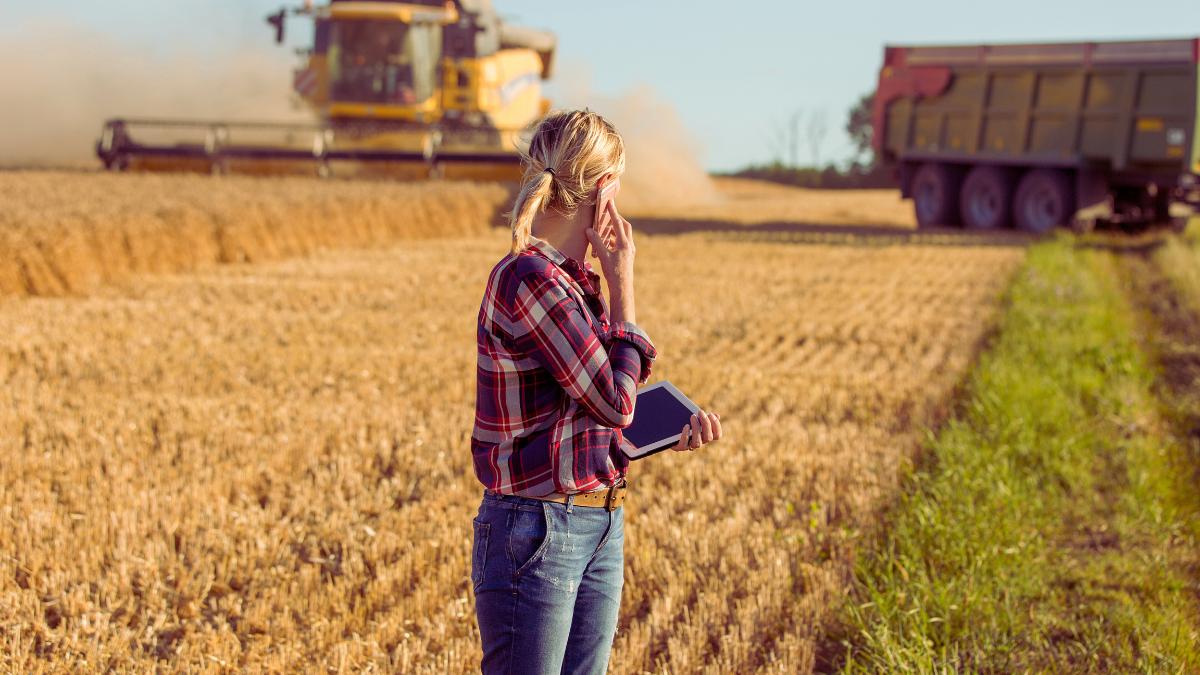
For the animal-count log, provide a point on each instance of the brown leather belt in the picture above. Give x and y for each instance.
(609, 499)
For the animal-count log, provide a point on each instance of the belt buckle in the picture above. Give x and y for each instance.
(611, 498)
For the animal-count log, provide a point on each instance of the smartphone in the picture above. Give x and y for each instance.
(604, 196)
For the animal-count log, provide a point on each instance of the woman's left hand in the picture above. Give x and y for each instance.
(704, 427)
(607, 229)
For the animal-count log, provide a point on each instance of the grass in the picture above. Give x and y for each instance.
(1179, 259)
(1048, 531)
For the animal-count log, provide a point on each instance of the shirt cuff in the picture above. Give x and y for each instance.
(623, 330)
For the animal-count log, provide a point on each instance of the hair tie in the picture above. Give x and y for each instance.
(549, 171)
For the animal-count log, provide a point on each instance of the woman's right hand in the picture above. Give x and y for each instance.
(616, 261)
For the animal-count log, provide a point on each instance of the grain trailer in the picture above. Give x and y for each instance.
(1040, 135)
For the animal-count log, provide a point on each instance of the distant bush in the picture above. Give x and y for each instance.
(858, 176)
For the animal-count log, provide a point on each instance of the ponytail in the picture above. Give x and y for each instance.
(568, 154)
(532, 200)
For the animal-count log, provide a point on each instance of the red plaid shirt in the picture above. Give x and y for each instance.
(556, 380)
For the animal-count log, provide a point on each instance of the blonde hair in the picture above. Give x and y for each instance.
(569, 152)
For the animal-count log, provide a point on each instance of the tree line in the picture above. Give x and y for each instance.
(809, 130)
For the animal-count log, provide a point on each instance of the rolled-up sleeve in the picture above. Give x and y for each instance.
(630, 333)
(602, 378)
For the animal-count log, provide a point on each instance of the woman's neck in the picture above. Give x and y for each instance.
(564, 234)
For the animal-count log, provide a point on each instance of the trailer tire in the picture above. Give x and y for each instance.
(1044, 200)
(1162, 207)
(934, 192)
(985, 202)
(935, 195)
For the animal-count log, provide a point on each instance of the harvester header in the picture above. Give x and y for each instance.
(407, 89)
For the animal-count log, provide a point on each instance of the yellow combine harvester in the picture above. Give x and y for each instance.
(412, 89)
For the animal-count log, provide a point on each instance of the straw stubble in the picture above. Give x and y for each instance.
(267, 467)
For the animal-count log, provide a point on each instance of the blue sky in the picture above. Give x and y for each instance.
(733, 71)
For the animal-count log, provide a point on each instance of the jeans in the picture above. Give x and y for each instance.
(547, 580)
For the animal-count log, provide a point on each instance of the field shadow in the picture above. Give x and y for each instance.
(1124, 243)
(1174, 334)
(81, 167)
(837, 235)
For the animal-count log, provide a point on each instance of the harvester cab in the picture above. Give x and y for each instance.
(405, 89)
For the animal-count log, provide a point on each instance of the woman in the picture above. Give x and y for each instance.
(558, 372)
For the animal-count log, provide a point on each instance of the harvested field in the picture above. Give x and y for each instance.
(267, 467)
(69, 232)
(752, 202)
(66, 232)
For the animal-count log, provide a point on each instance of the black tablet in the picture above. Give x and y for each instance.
(660, 412)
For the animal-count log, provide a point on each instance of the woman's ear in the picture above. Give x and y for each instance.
(609, 179)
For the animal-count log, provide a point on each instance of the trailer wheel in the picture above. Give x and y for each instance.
(1044, 201)
(935, 195)
(986, 198)
(1161, 201)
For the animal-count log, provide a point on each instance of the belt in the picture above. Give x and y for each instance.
(609, 499)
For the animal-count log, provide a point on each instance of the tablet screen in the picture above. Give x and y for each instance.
(660, 413)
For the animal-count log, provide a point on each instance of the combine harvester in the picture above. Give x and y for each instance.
(414, 89)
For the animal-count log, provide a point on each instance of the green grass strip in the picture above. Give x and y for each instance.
(1043, 535)
(1179, 259)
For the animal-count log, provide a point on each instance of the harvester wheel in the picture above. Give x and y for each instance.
(1044, 201)
(986, 198)
(934, 191)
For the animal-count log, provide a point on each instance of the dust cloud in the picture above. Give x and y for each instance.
(63, 80)
(663, 162)
(71, 78)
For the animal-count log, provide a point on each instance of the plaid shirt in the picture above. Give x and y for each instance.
(556, 380)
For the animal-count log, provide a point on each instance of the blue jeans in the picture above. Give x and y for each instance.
(547, 580)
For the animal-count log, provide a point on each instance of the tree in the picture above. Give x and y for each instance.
(784, 140)
(816, 130)
(778, 142)
(794, 131)
(859, 126)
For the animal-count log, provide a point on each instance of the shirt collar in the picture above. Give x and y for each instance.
(581, 272)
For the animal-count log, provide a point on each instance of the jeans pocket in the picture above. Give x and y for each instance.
(479, 551)
(528, 538)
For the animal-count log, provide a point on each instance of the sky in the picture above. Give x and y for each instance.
(733, 72)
